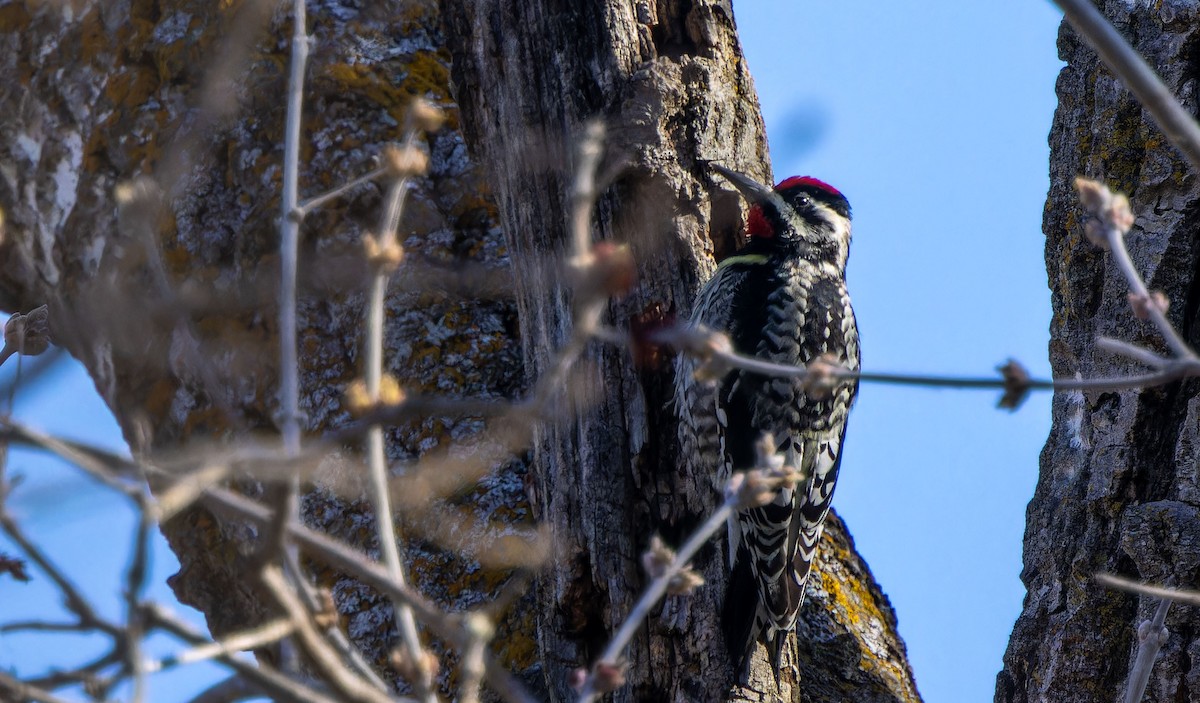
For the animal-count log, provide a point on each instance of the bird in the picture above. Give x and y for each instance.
(781, 298)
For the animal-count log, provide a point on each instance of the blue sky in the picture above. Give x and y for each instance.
(932, 117)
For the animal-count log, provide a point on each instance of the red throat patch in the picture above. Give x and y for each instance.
(757, 224)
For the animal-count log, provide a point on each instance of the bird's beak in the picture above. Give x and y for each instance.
(754, 191)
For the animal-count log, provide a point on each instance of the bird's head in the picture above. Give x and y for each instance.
(800, 213)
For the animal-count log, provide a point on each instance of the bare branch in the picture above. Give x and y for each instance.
(1152, 635)
(1130, 586)
(73, 597)
(654, 592)
(18, 690)
(324, 657)
(1114, 220)
(270, 681)
(135, 582)
(480, 629)
(326, 550)
(317, 201)
(385, 254)
(232, 645)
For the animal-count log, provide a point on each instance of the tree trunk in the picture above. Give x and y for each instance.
(179, 328)
(669, 81)
(1119, 489)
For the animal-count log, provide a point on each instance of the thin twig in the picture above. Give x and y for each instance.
(480, 629)
(655, 591)
(290, 416)
(72, 596)
(301, 211)
(1170, 370)
(272, 682)
(1132, 351)
(1152, 635)
(323, 656)
(377, 469)
(333, 553)
(21, 691)
(289, 365)
(1143, 589)
(135, 582)
(232, 645)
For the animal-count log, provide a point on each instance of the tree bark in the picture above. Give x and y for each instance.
(669, 81)
(179, 331)
(1119, 489)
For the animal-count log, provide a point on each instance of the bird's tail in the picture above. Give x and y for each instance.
(741, 616)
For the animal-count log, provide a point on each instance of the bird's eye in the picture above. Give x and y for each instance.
(803, 200)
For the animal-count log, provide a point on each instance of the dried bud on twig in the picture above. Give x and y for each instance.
(758, 487)
(359, 402)
(615, 268)
(607, 269)
(766, 453)
(709, 347)
(1143, 304)
(327, 616)
(405, 161)
(822, 377)
(608, 677)
(577, 678)
(407, 668)
(13, 567)
(1095, 233)
(685, 582)
(386, 256)
(1112, 210)
(657, 559)
(28, 333)
(1016, 385)
(1120, 213)
(426, 116)
(138, 190)
(1093, 195)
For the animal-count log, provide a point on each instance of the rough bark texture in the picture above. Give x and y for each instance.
(1120, 474)
(668, 80)
(191, 93)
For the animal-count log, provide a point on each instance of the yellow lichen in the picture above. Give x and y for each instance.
(14, 17)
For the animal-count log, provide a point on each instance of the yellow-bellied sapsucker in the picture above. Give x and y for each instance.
(781, 298)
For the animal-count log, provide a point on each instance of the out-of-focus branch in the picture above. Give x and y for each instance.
(232, 645)
(481, 630)
(384, 254)
(669, 570)
(1123, 60)
(289, 245)
(272, 682)
(135, 582)
(1152, 635)
(1130, 586)
(329, 551)
(17, 690)
(73, 598)
(716, 350)
(320, 652)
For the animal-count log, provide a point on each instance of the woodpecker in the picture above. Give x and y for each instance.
(782, 298)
